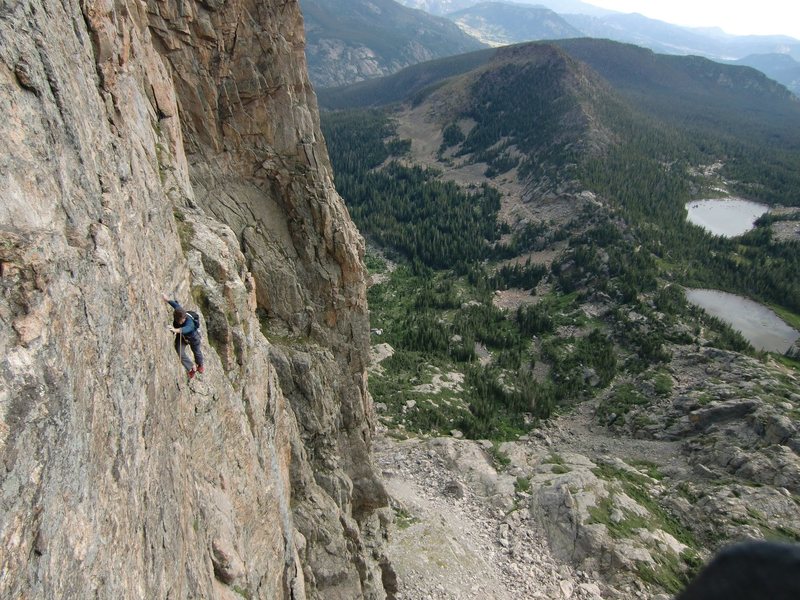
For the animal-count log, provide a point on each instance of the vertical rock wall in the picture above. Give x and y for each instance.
(175, 146)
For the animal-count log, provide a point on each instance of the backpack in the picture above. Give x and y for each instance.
(196, 319)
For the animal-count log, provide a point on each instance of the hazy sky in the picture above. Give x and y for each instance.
(734, 16)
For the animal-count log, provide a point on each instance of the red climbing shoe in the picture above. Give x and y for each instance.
(191, 373)
(201, 369)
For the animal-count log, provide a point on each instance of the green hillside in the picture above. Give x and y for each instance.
(563, 125)
(780, 67)
(692, 91)
(730, 111)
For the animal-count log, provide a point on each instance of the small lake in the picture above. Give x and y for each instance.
(727, 217)
(762, 327)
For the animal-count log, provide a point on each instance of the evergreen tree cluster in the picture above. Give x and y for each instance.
(518, 276)
(409, 209)
(524, 105)
(451, 136)
(530, 237)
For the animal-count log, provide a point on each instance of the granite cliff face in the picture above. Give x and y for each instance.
(174, 147)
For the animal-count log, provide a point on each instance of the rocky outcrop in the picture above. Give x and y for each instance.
(354, 40)
(452, 539)
(174, 146)
(794, 351)
(733, 413)
(595, 517)
(520, 520)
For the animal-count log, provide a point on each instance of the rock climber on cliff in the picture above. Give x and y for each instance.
(186, 327)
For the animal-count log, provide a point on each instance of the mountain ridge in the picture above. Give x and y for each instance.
(558, 95)
(780, 67)
(515, 23)
(354, 40)
(639, 72)
(675, 39)
(357, 41)
(443, 7)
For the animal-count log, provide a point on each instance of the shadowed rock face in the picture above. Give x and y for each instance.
(175, 146)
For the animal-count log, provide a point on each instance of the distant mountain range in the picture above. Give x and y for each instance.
(445, 7)
(500, 23)
(673, 39)
(497, 23)
(355, 40)
(352, 40)
(646, 77)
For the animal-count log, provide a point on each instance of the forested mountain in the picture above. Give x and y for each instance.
(501, 23)
(533, 107)
(355, 40)
(352, 40)
(780, 67)
(616, 119)
(508, 23)
(693, 91)
(684, 91)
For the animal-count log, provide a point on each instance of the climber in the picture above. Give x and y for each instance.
(186, 327)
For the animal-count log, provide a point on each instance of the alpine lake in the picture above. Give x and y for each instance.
(765, 330)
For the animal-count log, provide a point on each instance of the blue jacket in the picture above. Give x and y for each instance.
(189, 326)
